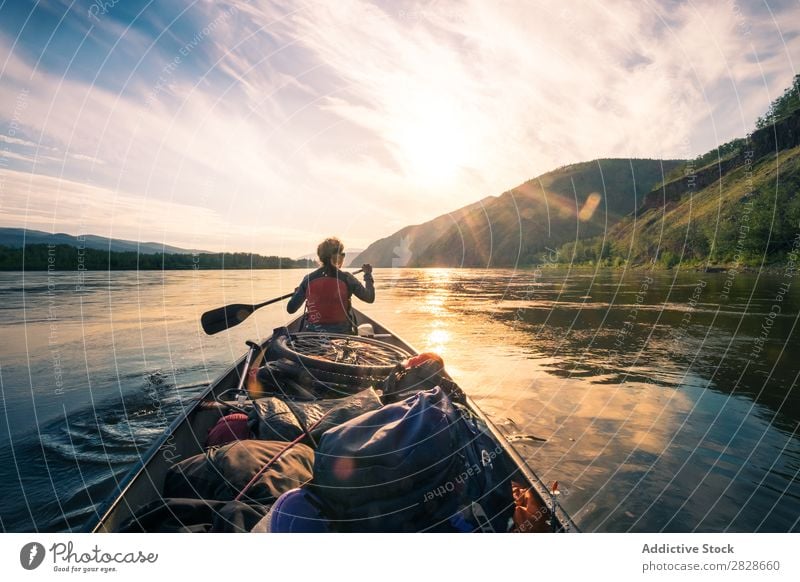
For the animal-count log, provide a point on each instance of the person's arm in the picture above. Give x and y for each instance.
(299, 296)
(364, 292)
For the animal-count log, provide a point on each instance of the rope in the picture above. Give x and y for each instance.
(279, 454)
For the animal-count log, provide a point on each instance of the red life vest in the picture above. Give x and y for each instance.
(327, 300)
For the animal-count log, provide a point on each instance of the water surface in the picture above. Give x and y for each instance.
(659, 401)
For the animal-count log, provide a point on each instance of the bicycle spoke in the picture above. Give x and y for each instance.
(351, 351)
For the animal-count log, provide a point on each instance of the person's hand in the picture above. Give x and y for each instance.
(367, 268)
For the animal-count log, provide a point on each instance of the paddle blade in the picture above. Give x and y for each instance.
(223, 318)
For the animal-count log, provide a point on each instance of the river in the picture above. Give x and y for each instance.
(661, 401)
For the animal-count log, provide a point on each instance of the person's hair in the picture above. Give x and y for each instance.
(328, 248)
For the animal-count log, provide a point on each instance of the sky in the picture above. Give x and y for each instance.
(266, 126)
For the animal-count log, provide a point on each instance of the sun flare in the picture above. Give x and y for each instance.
(432, 143)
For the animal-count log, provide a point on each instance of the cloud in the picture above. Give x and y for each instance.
(185, 126)
(59, 205)
(17, 141)
(286, 121)
(90, 159)
(15, 156)
(529, 88)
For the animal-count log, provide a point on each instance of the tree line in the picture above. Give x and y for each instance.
(43, 257)
(760, 228)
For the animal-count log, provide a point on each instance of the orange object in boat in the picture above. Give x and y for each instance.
(530, 516)
(420, 358)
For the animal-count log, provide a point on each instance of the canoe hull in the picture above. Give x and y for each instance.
(185, 436)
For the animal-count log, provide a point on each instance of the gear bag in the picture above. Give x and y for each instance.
(484, 482)
(375, 472)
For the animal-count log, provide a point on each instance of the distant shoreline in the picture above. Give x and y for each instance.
(68, 258)
(639, 268)
(64, 271)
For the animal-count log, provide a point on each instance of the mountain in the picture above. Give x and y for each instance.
(352, 255)
(514, 228)
(349, 261)
(736, 204)
(743, 208)
(16, 237)
(399, 249)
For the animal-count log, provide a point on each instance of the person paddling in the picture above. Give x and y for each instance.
(327, 291)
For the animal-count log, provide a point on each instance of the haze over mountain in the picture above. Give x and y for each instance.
(736, 203)
(32, 250)
(18, 237)
(579, 200)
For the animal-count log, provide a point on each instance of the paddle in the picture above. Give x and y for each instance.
(223, 318)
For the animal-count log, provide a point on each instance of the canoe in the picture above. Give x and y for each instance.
(336, 370)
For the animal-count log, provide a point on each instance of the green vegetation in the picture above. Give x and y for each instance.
(41, 257)
(745, 212)
(751, 215)
(723, 152)
(783, 106)
(518, 226)
(780, 109)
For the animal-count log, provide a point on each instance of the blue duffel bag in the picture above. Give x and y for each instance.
(378, 471)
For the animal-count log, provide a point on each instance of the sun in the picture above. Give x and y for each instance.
(432, 143)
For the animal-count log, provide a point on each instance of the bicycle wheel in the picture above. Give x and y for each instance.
(338, 353)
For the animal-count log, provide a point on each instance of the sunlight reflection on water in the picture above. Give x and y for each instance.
(645, 430)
